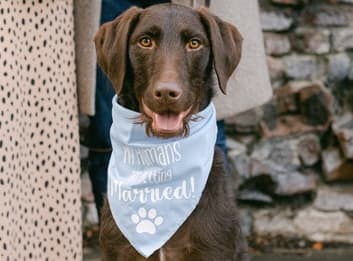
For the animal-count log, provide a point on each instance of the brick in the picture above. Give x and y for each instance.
(325, 15)
(281, 152)
(311, 41)
(301, 67)
(321, 226)
(309, 149)
(308, 223)
(294, 110)
(276, 44)
(254, 196)
(338, 67)
(246, 122)
(343, 129)
(342, 39)
(315, 105)
(334, 165)
(334, 198)
(292, 183)
(276, 69)
(274, 222)
(275, 21)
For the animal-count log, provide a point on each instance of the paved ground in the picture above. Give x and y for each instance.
(325, 255)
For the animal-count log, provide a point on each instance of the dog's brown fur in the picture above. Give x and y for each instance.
(212, 231)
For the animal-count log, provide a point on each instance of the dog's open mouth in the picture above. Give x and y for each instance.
(167, 123)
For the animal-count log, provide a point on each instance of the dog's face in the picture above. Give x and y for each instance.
(160, 62)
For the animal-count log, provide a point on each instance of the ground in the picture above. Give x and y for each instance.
(91, 254)
(334, 253)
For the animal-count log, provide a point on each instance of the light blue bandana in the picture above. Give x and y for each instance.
(154, 184)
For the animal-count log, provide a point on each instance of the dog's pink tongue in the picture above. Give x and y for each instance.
(167, 122)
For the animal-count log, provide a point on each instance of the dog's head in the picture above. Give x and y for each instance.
(160, 62)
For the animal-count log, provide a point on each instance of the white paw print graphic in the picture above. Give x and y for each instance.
(146, 222)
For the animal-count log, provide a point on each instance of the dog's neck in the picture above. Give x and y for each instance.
(162, 255)
(129, 101)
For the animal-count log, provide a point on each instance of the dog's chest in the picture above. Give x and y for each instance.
(162, 256)
(178, 247)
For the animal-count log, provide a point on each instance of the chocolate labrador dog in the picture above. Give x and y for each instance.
(161, 62)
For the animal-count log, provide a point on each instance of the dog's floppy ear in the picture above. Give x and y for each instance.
(226, 43)
(111, 42)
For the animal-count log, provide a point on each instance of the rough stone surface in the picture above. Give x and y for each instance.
(235, 148)
(343, 128)
(306, 100)
(246, 221)
(291, 183)
(274, 222)
(89, 214)
(309, 150)
(276, 44)
(338, 67)
(241, 165)
(263, 166)
(311, 41)
(276, 70)
(86, 188)
(290, 125)
(324, 226)
(335, 167)
(325, 15)
(301, 67)
(281, 152)
(331, 161)
(350, 74)
(254, 196)
(334, 198)
(281, 181)
(305, 137)
(248, 139)
(83, 152)
(275, 21)
(286, 101)
(246, 122)
(270, 117)
(307, 223)
(315, 105)
(342, 39)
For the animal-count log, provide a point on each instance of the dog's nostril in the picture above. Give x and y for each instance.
(174, 94)
(158, 94)
(167, 91)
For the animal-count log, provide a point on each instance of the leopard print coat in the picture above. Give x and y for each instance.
(40, 216)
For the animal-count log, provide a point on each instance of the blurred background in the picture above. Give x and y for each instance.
(293, 157)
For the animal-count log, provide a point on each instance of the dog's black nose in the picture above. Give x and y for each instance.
(167, 91)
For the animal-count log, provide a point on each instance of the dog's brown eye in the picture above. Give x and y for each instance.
(194, 44)
(146, 42)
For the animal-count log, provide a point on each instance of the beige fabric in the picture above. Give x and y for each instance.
(87, 14)
(249, 85)
(191, 3)
(40, 216)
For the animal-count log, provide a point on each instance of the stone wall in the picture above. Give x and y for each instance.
(294, 155)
